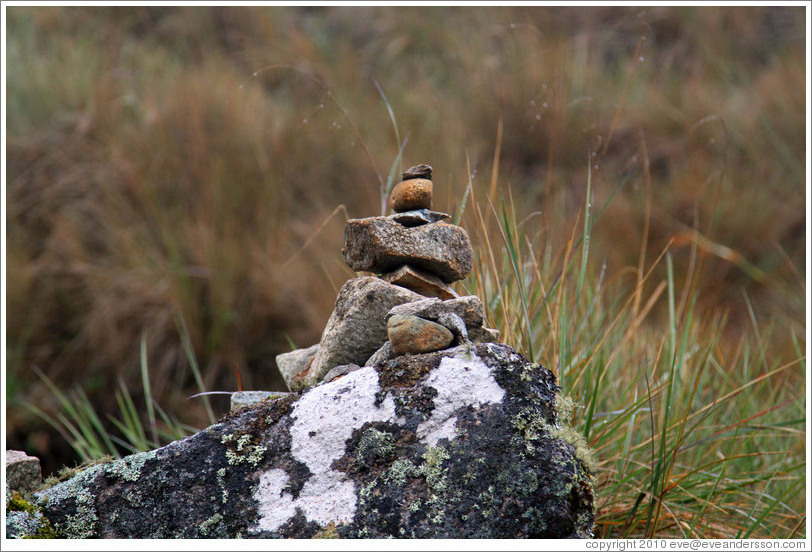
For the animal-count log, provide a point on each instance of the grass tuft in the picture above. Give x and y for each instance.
(676, 413)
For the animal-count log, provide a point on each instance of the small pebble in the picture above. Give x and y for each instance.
(418, 171)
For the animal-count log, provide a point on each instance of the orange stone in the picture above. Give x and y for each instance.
(411, 195)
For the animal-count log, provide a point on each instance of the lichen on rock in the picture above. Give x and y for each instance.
(461, 443)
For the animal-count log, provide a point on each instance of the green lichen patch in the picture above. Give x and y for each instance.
(375, 446)
(210, 525)
(241, 448)
(129, 467)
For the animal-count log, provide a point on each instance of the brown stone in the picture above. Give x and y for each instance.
(380, 245)
(420, 282)
(410, 195)
(413, 335)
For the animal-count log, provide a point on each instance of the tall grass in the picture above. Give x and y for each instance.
(697, 436)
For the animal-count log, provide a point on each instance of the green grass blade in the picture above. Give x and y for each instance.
(148, 389)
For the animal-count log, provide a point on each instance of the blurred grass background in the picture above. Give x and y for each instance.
(170, 166)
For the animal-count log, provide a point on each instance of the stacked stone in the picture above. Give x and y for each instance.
(408, 307)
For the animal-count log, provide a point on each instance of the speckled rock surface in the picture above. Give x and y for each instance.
(461, 443)
(23, 472)
(357, 326)
(468, 308)
(379, 244)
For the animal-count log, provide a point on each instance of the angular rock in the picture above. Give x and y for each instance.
(381, 355)
(483, 335)
(294, 365)
(469, 308)
(419, 217)
(455, 324)
(244, 398)
(462, 443)
(339, 371)
(410, 335)
(379, 244)
(418, 171)
(357, 326)
(23, 472)
(411, 194)
(421, 282)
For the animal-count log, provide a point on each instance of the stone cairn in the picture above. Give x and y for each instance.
(409, 306)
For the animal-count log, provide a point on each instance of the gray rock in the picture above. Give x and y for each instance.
(23, 472)
(483, 335)
(410, 335)
(418, 171)
(421, 282)
(455, 323)
(462, 443)
(357, 326)
(469, 308)
(339, 371)
(381, 355)
(419, 217)
(244, 398)
(379, 244)
(294, 365)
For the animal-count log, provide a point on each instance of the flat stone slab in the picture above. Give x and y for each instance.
(469, 308)
(357, 326)
(421, 282)
(419, 217)
(380, 244)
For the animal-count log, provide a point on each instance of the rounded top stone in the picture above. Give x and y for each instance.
(418, 171)
(411, 195)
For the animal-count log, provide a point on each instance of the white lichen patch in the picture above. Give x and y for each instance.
(459, 382)
(323, 419)
(275, 505)
(328, 498)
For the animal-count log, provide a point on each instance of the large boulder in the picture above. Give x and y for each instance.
(380, 244)
(461, 443)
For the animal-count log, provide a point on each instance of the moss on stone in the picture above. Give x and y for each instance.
(328, 532)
